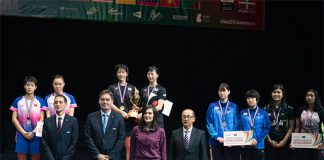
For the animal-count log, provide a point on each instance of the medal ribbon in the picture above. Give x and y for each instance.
(252, 120)
(223, 113)
(276, 117)
(29, 106)
(122, 96)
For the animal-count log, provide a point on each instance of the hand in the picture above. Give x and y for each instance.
(291, 147)
(273, 143)
(25, 134)
(220, 140)
(281, 144)
(254, 142)
(320, 146)
(125, 115)
(139, 116)
(102, 157)
(31, 135)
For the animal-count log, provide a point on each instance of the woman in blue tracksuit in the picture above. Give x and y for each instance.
(222, 115)
(254, 119)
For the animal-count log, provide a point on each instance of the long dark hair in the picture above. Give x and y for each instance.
(317, 104)
(155, 124)
(283, 100)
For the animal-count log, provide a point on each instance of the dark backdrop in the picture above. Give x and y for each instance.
(192, 61)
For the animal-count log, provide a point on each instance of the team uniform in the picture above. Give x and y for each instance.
(310, 122)
(29, 113)
(49, 102)
(258, 121)
(222, 117)
(154, 93)
(121, 100)
(279, 125)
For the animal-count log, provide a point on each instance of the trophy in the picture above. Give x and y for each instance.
(134, 99)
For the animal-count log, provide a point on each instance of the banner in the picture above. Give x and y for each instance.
(231, 14)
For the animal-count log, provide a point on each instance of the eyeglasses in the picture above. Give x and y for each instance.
(187, 116)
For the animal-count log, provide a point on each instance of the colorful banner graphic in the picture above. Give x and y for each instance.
(231, 14)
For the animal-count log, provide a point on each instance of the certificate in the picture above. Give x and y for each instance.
(306, 140)
(238, 138)
(167, 106)
(39, 129)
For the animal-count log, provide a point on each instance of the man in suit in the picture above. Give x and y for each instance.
(105, 130)
(60, 133)
(188, 142)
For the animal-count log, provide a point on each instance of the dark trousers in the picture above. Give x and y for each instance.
(252, 153)
(307, 154)
(224, 153)
(278, 153)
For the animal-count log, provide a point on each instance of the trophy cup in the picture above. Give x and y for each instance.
(134, 99)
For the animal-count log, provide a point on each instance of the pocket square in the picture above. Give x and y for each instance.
(114, 128)
(68, 132)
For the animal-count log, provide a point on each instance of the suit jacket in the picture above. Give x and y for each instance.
(197, 145)
(109, 143)
(59, 146)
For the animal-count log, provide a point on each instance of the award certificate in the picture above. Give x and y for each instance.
(306, 140)
(238, 138)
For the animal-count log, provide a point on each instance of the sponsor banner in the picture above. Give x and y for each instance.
(231, 14)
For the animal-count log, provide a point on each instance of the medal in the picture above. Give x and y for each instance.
(122, 96)
(277, 128)
(223, 124)
(223, 113)
(276, 120)
(28, 122)
(252, 120)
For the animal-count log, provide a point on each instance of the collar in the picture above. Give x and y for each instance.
(108, 113)
(57, 116)
(190, 129)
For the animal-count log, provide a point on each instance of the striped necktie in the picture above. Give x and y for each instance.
(186, 140)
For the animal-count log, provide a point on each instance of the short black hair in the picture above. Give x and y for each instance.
(153, 68)
(252, 93)
(30, 79)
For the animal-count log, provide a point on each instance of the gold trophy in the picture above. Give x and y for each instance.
(134, 99)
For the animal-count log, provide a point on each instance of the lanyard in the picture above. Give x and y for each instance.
(276, 117)
(29, 106)
(223, 113)
(122, 96)
(252, 120)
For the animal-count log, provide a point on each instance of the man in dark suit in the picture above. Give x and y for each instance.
(105, 130)
(60, 133)
(188, 142)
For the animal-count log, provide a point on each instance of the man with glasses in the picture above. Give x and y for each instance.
(188, 142)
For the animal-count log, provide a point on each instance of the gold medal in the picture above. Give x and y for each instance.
(122, 108)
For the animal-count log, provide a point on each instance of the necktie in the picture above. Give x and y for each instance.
(104, 122)
(186, 140)
(59, 124)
